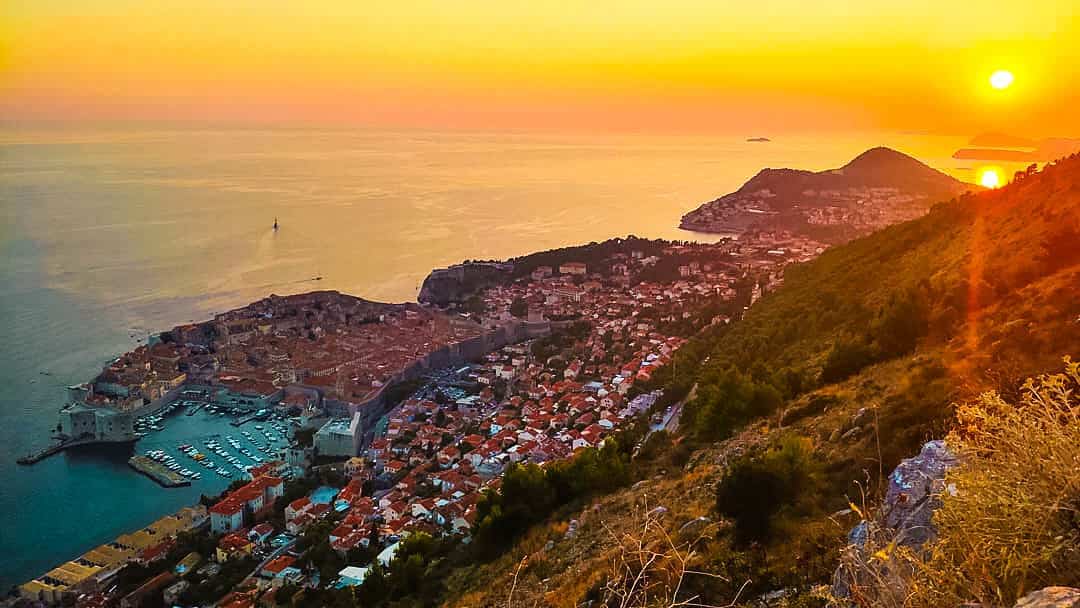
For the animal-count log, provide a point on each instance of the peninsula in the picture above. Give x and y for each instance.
(418, 409)
(879, 187)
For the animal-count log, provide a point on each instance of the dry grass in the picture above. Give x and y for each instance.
(1010, 516)
(649, 568)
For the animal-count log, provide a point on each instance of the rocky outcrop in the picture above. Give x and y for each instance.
(456, 283)
(914, 493)
(1051, 597)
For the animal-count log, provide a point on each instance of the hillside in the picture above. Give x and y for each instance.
(823, 388)
(875, 168)
(879, 187)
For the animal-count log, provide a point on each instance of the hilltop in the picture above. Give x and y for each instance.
(879, 187)
(827, 384)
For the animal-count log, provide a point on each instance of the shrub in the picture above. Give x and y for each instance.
(760, 489)
(1008, 520)
(726, 400)
(846, 358)
(1011, 523)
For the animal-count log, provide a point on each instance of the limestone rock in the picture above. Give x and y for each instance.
(912, 496)
(1051, 597)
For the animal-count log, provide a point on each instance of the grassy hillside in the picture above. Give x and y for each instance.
(802, 408)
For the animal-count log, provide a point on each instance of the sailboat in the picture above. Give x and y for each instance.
(275, 224)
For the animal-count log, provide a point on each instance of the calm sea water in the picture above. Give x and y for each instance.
(107, 234)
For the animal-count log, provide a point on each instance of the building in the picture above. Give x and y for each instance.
(276, 566)
(83, 422)
(578, 268)
(352, 576)
(338, 437)
(253, 500)
(232, 545)
(541, 273)
(227, 516)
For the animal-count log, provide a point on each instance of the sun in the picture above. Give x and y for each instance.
(1001, 79)
(990, 178)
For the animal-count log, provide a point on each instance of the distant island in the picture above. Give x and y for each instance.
(1009, 148)
(758, 139)
(879, 187)
(1001, 140)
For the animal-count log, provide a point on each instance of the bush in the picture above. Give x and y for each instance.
(759, 489)
(1011, 524)
(847, 358)
(1007, 524)
(726, 400)
(529, 493)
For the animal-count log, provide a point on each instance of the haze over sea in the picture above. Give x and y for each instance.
(111, 233)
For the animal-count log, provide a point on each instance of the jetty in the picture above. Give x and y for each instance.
(158, 472)
(259, 415)
(58, 445)
(42, 454)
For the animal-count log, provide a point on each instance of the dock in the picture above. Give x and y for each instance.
(259, 415)
(195, 409)
(158, 472)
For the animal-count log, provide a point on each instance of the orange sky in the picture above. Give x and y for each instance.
(673, 65)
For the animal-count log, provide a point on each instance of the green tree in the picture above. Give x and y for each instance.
(519, 308)
(759, 489)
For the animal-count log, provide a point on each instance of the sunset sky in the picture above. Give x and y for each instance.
(677, 65)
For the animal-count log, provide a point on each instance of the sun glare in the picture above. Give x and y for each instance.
(990, 178)
(1001, 79)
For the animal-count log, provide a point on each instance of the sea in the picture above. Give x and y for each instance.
(111, 233)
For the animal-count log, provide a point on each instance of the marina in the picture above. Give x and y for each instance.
(214, 455)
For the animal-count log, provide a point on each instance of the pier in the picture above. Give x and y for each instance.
(259, 415)
(42, 454)
(158, 472)
(60, 446)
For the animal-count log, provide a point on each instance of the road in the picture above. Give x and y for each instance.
(273, 555)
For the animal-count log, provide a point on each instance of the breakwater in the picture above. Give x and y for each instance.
(56, 448)
(158, 472)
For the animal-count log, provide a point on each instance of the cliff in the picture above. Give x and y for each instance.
(455, 284)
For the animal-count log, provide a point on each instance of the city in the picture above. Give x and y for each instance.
(405, 415)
